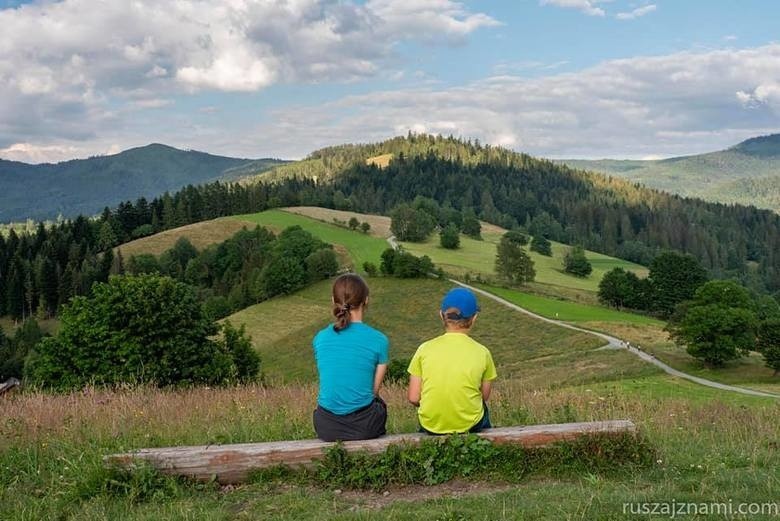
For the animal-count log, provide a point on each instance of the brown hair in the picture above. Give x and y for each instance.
(349, 292)
(452, 318)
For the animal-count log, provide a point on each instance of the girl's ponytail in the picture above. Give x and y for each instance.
(349, 292)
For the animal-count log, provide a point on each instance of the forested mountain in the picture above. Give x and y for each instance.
(85, 186)
(607, 215)
(747, 173)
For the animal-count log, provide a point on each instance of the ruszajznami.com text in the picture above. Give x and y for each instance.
(680, 509)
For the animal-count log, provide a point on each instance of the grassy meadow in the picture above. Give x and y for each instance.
(361, 247)
(710, 445)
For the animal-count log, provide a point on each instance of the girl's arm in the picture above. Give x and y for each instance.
(486, 387)
(379, 375)
(415, 390)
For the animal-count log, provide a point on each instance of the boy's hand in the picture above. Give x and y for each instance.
(415, 390)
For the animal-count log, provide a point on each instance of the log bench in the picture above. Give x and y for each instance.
(233, 463)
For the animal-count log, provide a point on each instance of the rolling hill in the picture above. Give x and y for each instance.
(747, 173)
(86, 186)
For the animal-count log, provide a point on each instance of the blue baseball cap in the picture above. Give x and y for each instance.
(463, 300)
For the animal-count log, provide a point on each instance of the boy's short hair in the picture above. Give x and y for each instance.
(453, 317)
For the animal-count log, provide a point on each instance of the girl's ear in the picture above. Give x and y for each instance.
(332, 300)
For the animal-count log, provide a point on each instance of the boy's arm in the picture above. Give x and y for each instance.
(379, 375)
(486, 388)
(415, 390)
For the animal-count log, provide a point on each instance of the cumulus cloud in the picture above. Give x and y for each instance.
(586, 6)
(665, 105)
(636, 13)
(69, 68)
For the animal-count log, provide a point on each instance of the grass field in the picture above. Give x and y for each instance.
(361, 247)
(479, 257)
(711, 447)
(406, 310)
(200, 234)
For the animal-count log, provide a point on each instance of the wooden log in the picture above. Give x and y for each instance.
(233, 463)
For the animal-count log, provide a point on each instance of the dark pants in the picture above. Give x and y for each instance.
(364, 424)
(483, 423)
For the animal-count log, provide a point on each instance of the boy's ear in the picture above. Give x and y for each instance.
(441, 316)
(474, 319)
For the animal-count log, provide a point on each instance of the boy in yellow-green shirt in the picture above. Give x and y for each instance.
(450, 376)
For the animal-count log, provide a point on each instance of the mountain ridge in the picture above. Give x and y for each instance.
(727, 176)
(85, 186)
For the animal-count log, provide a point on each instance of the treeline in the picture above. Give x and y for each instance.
(252, 266)
(604, 215)
(40, 271)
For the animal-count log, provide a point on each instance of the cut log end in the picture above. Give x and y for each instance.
(235, 462)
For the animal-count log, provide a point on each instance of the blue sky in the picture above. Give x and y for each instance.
(251, 78)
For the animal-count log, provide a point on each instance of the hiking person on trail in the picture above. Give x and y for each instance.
(351, 362)
(450, 376)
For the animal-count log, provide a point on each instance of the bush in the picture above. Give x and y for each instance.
(353, 223)
(410, 224)
(322, 264)
(407, 266)
(143, 263)
(142, 231)
(217, 307)
(541, 245)
(575, 262)
(769, 343)
(370, 269)
(471, 226)
(132, 329)
(239, 346)
(387, 264)
(450, 237)
(365, 227)
(397, 371)
(14, 350)
(282, 276)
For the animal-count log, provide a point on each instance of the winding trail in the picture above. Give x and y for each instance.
(612, 342)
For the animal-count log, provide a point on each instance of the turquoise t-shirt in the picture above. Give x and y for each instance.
(346, 363)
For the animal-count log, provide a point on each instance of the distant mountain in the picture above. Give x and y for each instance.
(86, 186)
(747, 173)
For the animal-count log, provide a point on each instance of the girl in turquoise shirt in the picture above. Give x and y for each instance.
(351, 362)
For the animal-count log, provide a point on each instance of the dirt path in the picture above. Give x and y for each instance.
(613, 343)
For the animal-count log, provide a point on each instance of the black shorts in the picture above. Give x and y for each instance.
(364, 424)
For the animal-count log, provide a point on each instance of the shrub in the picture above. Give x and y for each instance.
(471, 227)
(541, 245)
(575, 262)
(239, 346)
(410, 224)
(282, 276)
(370, 269)
(365, 227)
(449, 237)
(143, 263)
(387, 263)
(769, 343)
(322, 264)
(142, 231)
(132, 329)
(353, 223)
(396, 370)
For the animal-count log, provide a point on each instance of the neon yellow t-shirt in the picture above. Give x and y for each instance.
(452, 368)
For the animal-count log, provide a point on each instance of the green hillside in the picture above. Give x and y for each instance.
(747, 173)
(406, 310)
(86, 186)
(478, 257)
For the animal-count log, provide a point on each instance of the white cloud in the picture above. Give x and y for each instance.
(69, 69)
(664, 105)
(636, 13)
(586, 6)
